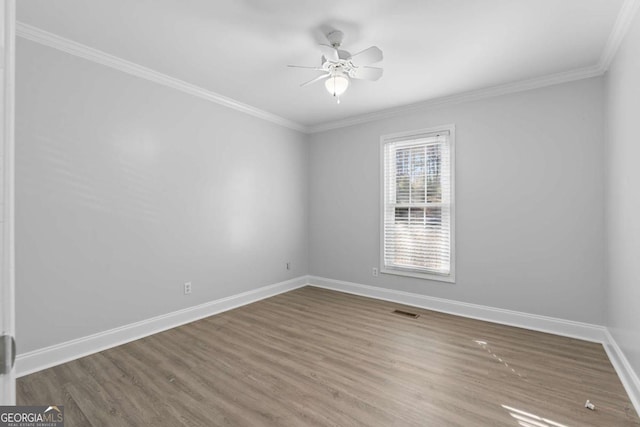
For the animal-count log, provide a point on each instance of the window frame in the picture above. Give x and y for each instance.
(384, 139)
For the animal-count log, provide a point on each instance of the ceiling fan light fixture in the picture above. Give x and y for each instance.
(337, 84)
(340, 66)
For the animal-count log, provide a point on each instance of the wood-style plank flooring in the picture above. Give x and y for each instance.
(313, 357)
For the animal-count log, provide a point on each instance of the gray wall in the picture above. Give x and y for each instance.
(623, 196)
(529, 195)
(127, 189)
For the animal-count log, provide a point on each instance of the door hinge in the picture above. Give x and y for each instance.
(7, 353)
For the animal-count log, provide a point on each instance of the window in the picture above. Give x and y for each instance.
(418, 204)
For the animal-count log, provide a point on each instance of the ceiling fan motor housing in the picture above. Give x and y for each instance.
(335, 38)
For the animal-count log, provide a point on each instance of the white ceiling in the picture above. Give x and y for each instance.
(432, 48)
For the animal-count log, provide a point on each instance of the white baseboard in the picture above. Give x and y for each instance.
(567, 328)
(552, 325)
(625, 371)
(47, 357)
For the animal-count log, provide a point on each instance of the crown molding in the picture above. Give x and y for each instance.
(620, 28)
(77, 49)
(520, 86)
(623, 22)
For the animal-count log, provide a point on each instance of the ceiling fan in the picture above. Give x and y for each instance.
(339, 66)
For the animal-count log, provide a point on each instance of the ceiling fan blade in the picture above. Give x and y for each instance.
(367, 73)
(368, 56)
(309, 68)
(317, 79)
(329, 52)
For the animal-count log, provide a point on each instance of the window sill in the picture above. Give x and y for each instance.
(436, 277)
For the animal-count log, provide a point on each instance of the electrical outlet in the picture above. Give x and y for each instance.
(288, 265)
(375, 272)
(187, 288)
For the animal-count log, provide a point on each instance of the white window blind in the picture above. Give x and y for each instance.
(417, 229)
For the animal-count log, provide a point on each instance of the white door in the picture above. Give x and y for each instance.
(7, 273)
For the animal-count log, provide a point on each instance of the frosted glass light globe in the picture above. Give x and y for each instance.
(337, 84)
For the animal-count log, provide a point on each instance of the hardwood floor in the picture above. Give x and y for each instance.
(313, 357)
